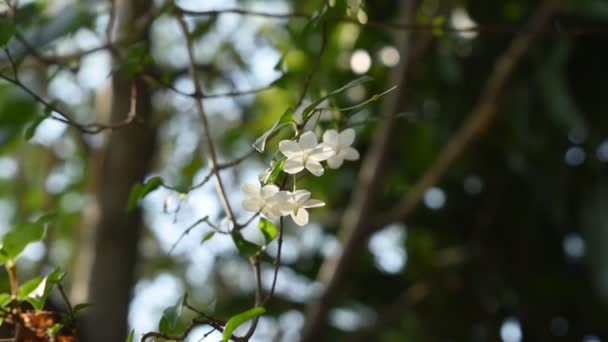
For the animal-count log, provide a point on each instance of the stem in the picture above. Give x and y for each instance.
(212, 157)
(11, 268)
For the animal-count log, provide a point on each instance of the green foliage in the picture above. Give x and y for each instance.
(5, 299)
(7, 30)
(285, 119)
(236, 321)
(269, 230)
(139, 191)
(136, 59)
(130, 337)
(246, 248)
(169, 321)
(17, 111)
(37, 290)
(208, 237)
(356, 82)
(276, 172)
(31, 129)
(79, 307)
(15, 241)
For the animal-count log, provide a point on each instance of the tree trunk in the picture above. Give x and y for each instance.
(125, 161)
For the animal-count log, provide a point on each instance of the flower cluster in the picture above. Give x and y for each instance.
(305, 154)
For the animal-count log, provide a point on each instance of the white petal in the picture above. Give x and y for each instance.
(335, 161)
(269, 190)
(313, 203)
(251, 189)
(331, 137)
(314, 167)
(300, 217)
(272, 212)
(252, 205)
(347, 137)
(293, 166)
(300, 196)
(289, 147)
(308, 140)
(321, 153)
(351, 154)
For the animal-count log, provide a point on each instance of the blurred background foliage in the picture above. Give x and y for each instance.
(511, 245)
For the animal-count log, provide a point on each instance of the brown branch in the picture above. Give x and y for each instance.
(190, 228)
(507, 29)
(315, 66)
(356, 216)
(92, 128)
(410, 297)
(357, 226)
(478, 121)
(193, 324)
(255, 265)
(212, 157)
(277, 264)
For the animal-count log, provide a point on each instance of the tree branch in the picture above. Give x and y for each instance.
(400, 26)
(356, 216)
(478, 121)
(356, 227)
(212, 157)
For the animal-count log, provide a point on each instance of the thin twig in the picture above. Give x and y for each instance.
(92, 128)
(66, 300)
(333, 269)
(356, 217)
(478, 121)
(193, 324)
(255, 265)
(509, 29)
(190, 228)
(212, 157)
(315, 66)
(277, 264)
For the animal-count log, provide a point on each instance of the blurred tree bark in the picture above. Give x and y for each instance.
(124, 161)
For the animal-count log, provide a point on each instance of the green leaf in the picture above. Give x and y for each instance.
(15, 241)
(286, 118)
(34, 292)
(31, 129)
(269, 230)
(37, 290)
(171, 315)
(56, 276)
(130, 337)
(276, 172)
(234, 322)
(208, 237)
(203, 27)
(308, 110)
(139, 191)
(246, 248)
(5, 299)
(81, 306)
(52, 331)
(7, 30)
(136, 58)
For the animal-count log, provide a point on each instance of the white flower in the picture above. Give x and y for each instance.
(263, 176)
(295, 204)
(340, 145)
(304, 154)
(263, 200)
